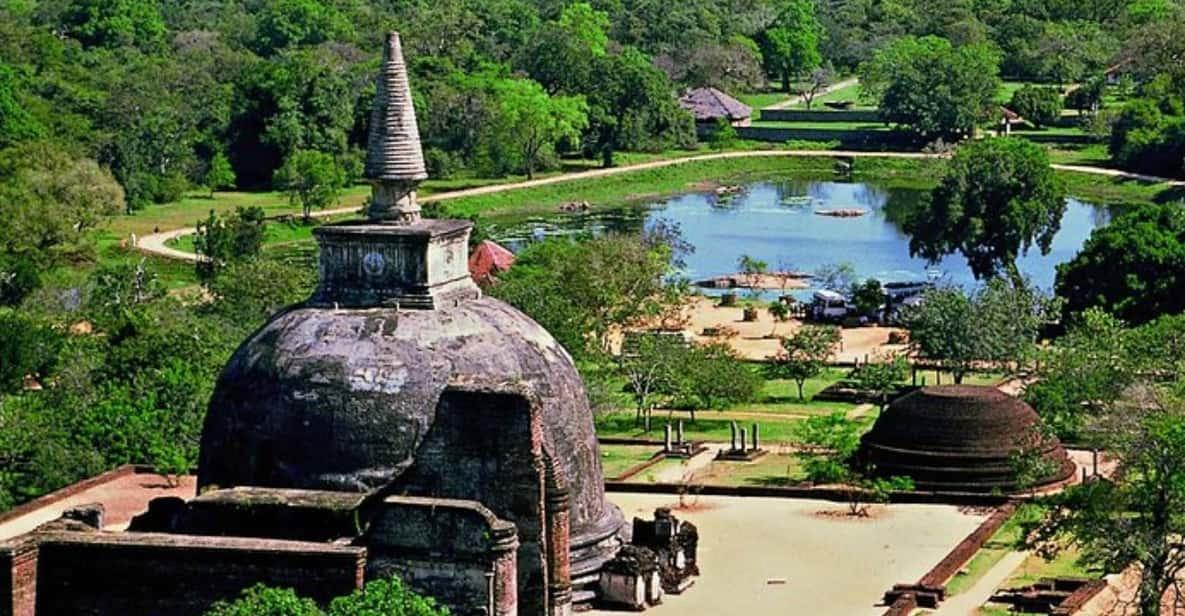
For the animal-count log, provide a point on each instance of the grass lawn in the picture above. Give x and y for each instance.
(762, 100)
(768, 470)
(994, 550)
(708, 426)
(1036, 568)
(1094, 154)
(828, 126)
(849, 93)
(935, 377)
(616, 459)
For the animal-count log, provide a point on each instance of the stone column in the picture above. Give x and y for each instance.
(666, 438)
(733, 428)
(756, 444)
(742, 439)
(680, 441)
(504, 582)
(559, 574)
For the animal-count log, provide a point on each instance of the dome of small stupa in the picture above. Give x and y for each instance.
(960, 438)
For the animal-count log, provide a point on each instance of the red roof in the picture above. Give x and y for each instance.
(488, 259)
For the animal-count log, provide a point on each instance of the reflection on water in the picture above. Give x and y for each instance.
(776, 222)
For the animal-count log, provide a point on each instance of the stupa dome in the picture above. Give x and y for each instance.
(960, 438)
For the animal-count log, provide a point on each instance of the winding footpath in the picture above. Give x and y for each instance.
(794, 100)
(154, 244)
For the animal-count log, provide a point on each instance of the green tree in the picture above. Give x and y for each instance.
(649, 364)
(998, 323)
(632, 103)
(1135, 516)
(881, 376)
(220, 174)
(753, 270)
(780, 312)
(831, 442)
(723, 135)
(114, 23)
(16, 123)
(221, 240)
(790, 47)
(868, 297)
(931, 88)
(252, 290)
(312, 179)
(581, 291)
(1132, 268)
(1041, 106)
(385, 596)
(27, 349)
(260, 600)
(533, 123)
(712, 376)
(51, 202)
(838, 277)
(997, 198)
(804, 354)
(284, 23)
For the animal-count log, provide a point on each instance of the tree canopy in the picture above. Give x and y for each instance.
(1133, 267)
(997, 199)
(932, 88)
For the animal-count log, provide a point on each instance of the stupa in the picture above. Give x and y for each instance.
(398, 377)
(961, 438)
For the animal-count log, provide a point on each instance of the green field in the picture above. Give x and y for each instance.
(761, 100)
(768, 470)
(1003, 542)
(848, 93)
(616, 459)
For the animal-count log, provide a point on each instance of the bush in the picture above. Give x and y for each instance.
(1041, 106)
(260, 600)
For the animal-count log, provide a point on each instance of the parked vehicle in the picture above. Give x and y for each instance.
(828, 306)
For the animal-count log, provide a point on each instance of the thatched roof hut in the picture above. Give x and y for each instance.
(709, 105)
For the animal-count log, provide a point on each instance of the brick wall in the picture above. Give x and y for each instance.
(18, 579)
(820, 115)
(134, 574)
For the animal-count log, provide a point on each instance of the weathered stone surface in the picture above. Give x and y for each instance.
(345, 400)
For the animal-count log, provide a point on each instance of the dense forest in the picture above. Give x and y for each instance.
(160, 92)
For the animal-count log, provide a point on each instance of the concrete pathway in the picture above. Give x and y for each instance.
(794, 100)
(154, 244)
(968, 602)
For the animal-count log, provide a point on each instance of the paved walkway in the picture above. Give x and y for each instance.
(794, 100)
(968, 602)
(154, 244)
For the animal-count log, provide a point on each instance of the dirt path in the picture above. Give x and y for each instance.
(794, 100)
(967, 603)
(154, 244)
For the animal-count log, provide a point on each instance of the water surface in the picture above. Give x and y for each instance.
(777, 223)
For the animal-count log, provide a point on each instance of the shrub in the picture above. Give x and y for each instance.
(1041, 106)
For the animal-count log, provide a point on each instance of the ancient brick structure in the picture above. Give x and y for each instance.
(960, 438)
(399, 377)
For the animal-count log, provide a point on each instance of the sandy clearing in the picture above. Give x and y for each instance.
(751, 341)
(122, 498)
(832, 565)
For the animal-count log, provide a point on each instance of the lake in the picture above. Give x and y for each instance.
(777, 223)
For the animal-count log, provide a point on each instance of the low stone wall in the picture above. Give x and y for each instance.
(1079, 598)
(971, 499)
(146, 574)
(856, 139)
(453, 550)
(966, 549)
(820, 115)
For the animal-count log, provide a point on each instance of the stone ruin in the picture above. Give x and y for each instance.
(397, 421)
(743, 446)
(662, 559)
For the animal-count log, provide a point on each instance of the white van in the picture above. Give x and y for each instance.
(828, 306)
